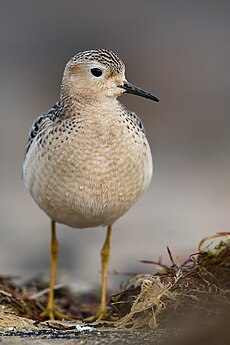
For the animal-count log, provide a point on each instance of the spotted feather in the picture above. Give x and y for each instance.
(39, 123)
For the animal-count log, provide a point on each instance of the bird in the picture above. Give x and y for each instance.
(87, 159)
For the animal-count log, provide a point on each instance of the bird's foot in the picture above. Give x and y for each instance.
(51, 313)
(101, 315)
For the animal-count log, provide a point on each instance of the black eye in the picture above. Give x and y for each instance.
(97, 72)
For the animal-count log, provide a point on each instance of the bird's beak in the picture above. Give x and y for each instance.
(130, 88)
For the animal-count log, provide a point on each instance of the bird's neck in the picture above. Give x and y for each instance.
(77, 103)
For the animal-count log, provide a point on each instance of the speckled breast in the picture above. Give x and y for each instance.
(86, 172)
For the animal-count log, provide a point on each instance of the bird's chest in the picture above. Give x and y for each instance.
(96, 147)
(103, 164)
(96, 153)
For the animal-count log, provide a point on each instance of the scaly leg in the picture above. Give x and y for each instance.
(105, 254)
(50, 312)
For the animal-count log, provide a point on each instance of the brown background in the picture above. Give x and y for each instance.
(178, 50)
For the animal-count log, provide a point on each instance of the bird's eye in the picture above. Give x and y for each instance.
(97, 72)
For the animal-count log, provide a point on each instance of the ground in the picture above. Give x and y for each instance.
(184, 303)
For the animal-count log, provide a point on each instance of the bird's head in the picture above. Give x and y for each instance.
(98, 75)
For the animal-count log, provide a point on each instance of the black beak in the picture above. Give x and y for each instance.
(130, 88)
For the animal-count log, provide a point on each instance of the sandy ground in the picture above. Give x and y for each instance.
(85, 338)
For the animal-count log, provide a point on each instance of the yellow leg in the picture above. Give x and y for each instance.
(50, 312)
(105, 254)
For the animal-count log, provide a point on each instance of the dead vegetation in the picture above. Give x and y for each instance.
(198, 289)
(195, 292)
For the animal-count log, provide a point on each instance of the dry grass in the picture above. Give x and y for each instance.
(194, 293)
(198, 289)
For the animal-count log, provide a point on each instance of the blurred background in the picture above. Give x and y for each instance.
(179, 51)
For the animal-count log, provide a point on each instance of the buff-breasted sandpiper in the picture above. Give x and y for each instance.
(87, 159)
